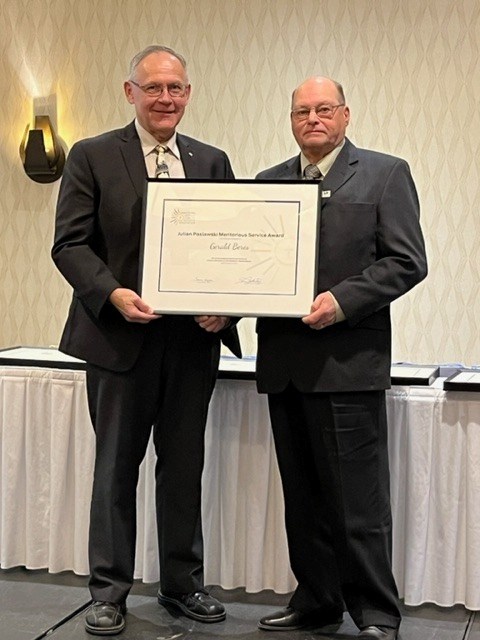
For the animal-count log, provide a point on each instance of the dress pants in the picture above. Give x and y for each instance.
(169, 387)
(333, 459)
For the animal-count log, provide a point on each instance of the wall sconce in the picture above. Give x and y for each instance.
(41, 152)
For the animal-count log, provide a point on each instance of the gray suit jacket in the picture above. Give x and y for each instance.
(371, 251)
(97, 239)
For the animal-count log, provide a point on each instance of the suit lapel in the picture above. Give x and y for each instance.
(342, 169)
(290, 170)
(191, 163)
(133, 159)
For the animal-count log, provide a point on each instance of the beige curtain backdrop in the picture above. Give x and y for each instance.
(411, 74)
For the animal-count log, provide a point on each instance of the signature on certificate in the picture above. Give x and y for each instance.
(250, 280)
(203, 280)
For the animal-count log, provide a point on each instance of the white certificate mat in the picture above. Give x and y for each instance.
(230, 248)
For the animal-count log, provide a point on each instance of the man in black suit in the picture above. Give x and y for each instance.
(326, 374)
(142, 369)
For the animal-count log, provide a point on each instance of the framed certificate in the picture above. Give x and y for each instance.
(405, 374)
(466, 380)
(242, 248)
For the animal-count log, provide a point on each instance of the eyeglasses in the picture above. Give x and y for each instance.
(323, 111)
(175, 89)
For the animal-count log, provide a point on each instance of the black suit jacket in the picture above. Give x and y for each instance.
(371, 251)
(97, 239)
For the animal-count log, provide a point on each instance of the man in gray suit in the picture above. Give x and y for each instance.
(326, 374)
(142, 369)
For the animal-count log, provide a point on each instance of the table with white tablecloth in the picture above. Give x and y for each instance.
(46, 464)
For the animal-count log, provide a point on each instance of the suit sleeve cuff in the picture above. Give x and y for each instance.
(339, 315)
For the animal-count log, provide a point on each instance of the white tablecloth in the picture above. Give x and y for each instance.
(46, 462)
(434, 440)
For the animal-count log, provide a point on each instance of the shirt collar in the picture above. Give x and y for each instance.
(325, 164)
(149, 143)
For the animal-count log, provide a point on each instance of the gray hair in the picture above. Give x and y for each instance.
(154, 48)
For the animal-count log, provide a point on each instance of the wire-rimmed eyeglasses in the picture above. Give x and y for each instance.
(324, 111)
(174, 89)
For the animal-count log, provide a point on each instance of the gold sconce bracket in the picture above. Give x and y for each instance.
(41, 152)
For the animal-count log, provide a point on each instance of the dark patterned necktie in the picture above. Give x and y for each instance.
(161, 169)
(312, 172)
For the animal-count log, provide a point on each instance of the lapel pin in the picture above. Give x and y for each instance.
(190, 154)
(326, 194)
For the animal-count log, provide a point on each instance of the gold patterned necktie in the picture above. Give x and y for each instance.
(161, 168)
(312, 172)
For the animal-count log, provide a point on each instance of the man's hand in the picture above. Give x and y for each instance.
(322, 312)
(213, 323)
(131, 306)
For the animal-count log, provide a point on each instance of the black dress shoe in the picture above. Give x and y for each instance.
(288, 620)
(105, 618)
(198, 605)
(379, 633)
